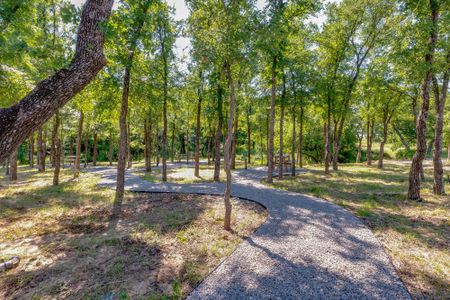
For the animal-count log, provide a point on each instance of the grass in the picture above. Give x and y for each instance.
(416, 235)
(162, 246)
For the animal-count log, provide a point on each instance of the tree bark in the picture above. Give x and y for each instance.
(129, 156)
(110, 154)
(172, 143)
(54, 139)
(76, 173)
(294, 146)
(13, 166)
(421, 124)
(197, 132)
(438, 185)
(56, 150)
(300, 138)
(218, 138)
(383, 142)
(249, 141)
(281, 161)
(227, 150)
(370, 130)
(31, 150)
(40, 151)
(327, 145)
(20, 120)
(234, 142)
(86, 148)
(95, 151)
(272, 122)
(358, 156)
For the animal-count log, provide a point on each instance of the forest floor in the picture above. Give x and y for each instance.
(162, 246)
(415, 234)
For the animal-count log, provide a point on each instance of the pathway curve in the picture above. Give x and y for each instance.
(307, 249)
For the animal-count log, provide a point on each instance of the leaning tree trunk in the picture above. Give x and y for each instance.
(40, 151)
(421, 124)
(438, 185)
(20, 120)
(227, 150)
(197, 136)
(56, 151)
(95, 150)
(76, 173)
(272, 122)
(31, 150)
(218, 138)
(13, 166)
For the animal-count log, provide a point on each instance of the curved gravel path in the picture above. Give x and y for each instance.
(307, 249)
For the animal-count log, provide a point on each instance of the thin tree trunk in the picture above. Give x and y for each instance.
(31, 150)
(110, 154)
(370, 129)
(40, 151)
(294, 147)
(129, 156)
(20, 120)
(300, 138)
(70, 146)
(438, 185)
(234, 142)
(281, 160)
(54, 139)
(327, 129)
(13, 166)
(157, 146)
(86, 148)
(7, 166)
(197, 133)
(76, 173)
(95, 151)
(57, 151)
(383, 142)
(148, 149)
(272, 122)
(227, 150)
(249, 141)
(172, 143)
(358, 156)
(421, 126)
(218, 138)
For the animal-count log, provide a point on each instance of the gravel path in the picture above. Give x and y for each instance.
(307, 249)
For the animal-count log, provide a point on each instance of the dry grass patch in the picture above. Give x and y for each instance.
(162, 246)
(416, 235)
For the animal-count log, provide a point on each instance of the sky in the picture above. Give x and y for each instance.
(182, 44)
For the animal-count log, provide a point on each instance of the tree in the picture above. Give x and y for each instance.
(20, 120)
(421, 125)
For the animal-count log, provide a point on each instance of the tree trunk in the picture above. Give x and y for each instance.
(40, 151)
(358, 156)
(76, 173)
(249, 142)
(86, 148)
(402, 139)
(421, 124)
(54, 138)
(218, 138)
(7, 166)
(227, 150)
(172, 143)
(31, 150)
(300, 138)
(383, 142)
(272, 122)
(281, 161)
(70, 146)
(110, 154)
(370, 129)
(234, 142)
(56, 151)
(197, 134)
(95, 151)
(20, 120)
(129, 156)
(13, 166)
(148, 146)
(438, 185)
(327, 129)
(294, 147)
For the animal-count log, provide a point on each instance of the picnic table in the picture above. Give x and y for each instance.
(285, 160)
(182, 156)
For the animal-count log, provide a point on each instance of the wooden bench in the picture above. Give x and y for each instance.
(71, 159)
